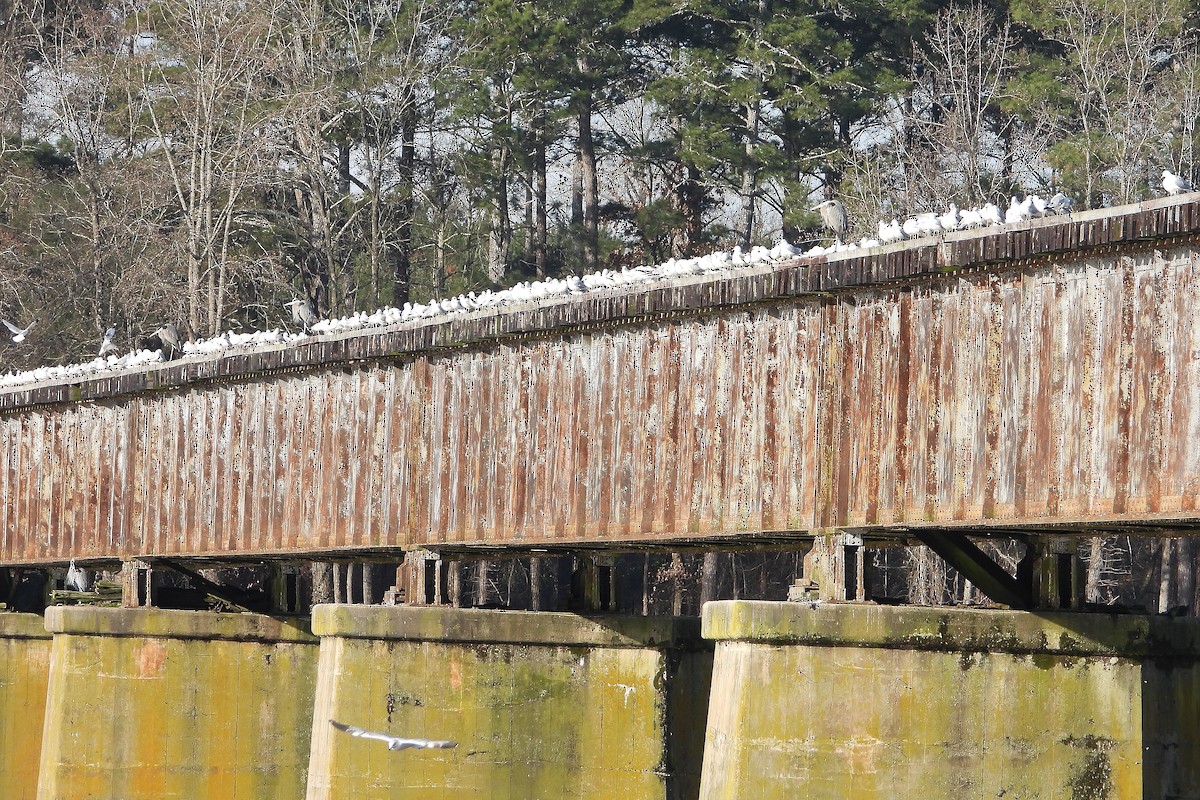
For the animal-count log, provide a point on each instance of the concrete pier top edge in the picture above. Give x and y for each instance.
(952, 629)
(15, 625)
(173, 624)
(417, 623)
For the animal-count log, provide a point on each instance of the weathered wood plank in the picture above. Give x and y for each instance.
(1054, 390)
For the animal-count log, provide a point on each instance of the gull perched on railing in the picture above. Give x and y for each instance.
(393, 742)
(18, 334)
(1175, 184)
(107, 345)
(1061, 204)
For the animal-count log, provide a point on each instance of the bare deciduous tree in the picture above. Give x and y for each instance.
(202, 86)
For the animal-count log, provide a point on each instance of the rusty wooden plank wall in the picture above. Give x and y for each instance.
(1064, 387)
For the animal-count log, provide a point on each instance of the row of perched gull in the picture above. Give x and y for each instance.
(832, 212)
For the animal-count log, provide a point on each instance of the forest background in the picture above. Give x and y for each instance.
(201, 162)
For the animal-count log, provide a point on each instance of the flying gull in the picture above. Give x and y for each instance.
(18, 334)
(393, 742)
(1175, 184)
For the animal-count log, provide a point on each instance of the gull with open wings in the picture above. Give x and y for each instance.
(393, 742)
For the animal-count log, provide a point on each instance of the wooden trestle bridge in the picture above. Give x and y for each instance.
(1039, 380)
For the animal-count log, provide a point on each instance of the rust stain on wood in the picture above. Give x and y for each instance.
(1042, 374)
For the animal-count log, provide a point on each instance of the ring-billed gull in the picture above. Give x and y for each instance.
(1175, 184)
(393, 742)
(18, 333)
(107, 345)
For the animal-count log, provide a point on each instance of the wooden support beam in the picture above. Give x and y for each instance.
(833, 570)
(979, 568)
(239, 599)
(137, 584)
(424, 579)
(1056, 575)
(285, 589)
(593, 584)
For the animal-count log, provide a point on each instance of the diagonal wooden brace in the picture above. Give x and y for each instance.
(979, 568)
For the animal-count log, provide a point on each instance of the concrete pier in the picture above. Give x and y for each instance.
(24, 668)
(798, 701)
(839, 701)
(145, 704)
(543, 705)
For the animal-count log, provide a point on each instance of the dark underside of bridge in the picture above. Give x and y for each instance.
(1045, 571)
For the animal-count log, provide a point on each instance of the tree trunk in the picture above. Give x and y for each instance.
(750, 136)
(691, 206)
(402, 278)
(539, 194)
(439, 271)
(750, 174)
(501, 233)
(344, 167)
(577, 193)
(587, 164)
(528, 226)
(1095, 570)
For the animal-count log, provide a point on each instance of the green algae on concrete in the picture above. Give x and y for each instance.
(24, 670)
(151, 704)
(543, 705)
(837, 701)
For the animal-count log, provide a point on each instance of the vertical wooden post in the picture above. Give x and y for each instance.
(285, 588)
(535, 584)
(593, 584)
(369, 570)
(139, 584)
(833, 570)
(423, 576)
(1059, 579)
(585, 585)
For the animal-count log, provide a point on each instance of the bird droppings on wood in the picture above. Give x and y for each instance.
(998, 379)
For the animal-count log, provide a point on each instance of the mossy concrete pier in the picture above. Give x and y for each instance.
(870, 702)
(24, 668)
(149, 704)
(543, 705)
(797, 701)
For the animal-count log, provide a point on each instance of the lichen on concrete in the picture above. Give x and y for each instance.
(543, 705)
(865, 702)
(136, 712)
(24, 671)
